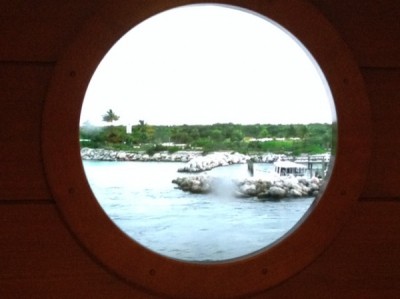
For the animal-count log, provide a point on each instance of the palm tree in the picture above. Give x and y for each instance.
(145, 131)
(110, 116)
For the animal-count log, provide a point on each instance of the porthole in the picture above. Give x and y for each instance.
(241, 275)
(222, 90)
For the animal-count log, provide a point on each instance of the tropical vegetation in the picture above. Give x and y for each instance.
(291, 139)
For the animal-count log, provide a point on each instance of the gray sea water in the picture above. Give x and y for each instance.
(144, 203)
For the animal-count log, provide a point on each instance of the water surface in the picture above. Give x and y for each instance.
(143, 202)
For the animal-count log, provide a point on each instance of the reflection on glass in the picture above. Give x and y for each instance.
(207, 132)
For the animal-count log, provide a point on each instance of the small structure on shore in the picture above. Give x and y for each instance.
(285, 168)
(250, 167)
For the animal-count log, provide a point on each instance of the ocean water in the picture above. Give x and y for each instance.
(144, 203)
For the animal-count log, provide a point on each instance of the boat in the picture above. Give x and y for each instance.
(285, 168)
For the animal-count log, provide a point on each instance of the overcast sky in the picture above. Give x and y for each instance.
(203, 64)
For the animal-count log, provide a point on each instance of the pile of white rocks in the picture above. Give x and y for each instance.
(200, 162)
(277, 188)
(262, 187)
(111, 155)
(210, 161)
(194, 184)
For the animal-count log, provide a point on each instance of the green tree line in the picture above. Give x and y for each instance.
(292, 138)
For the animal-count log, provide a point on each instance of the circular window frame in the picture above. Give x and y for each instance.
(142, 267)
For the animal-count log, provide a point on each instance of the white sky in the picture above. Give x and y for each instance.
(203, 64)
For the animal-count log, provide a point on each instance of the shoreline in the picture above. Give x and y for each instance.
(195, 162)
(179, 156)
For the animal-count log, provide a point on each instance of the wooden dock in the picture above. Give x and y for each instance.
(312, 161)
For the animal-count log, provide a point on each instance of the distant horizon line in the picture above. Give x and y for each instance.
(211, 124)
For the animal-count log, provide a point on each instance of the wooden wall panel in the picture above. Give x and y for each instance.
(370, 28)
(23, 88)
(40, 259)
(383, 86)
(40, 30)
(362, 262)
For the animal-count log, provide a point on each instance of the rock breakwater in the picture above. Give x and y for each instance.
(112, 155)
(262, 188)
(202, 163)
(217, 159)
(195, 184)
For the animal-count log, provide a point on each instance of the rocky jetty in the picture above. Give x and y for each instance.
(217, 159)
(111, 155)
(263, 188)
(195, 184)
(281, 187)
(179, 156)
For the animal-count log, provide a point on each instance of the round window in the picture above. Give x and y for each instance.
(221, 143)
(206, 132)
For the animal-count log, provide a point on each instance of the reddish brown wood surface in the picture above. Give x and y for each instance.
(23, 88)
(361, 263)
(371, 29)
(40, 30)
(383, 86)
(41, 258)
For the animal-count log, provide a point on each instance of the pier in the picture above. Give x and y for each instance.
(312, 161)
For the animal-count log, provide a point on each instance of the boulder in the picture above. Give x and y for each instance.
(277, 192)
(262, 188)
(194, 184)
(208, 162)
